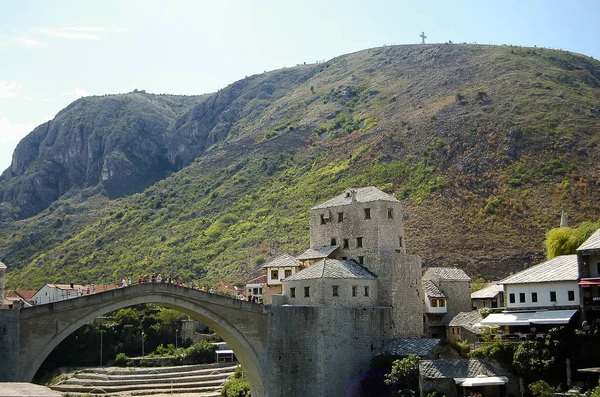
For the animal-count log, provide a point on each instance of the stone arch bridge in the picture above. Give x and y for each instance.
(243, 325)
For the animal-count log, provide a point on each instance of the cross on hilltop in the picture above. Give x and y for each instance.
(423, 37)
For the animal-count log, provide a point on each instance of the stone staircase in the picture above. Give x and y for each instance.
(204, 380)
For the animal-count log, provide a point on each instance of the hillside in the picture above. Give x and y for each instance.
(483, 144)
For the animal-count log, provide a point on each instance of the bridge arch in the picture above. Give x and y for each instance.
(241, 324)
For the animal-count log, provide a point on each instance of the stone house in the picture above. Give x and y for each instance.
(462, 328)
(447, 293)
(332, 282)
(491, 296)
(277, 270)
(455, 378)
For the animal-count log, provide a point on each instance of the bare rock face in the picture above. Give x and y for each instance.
(123, 143)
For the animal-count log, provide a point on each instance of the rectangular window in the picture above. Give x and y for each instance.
(255, 291)
(335, 290)
(534, 297)
(274, 275)
(359, 242)
(288, 273)
(340, 217)
(390, 213)
(442, 302)
(598, 267)
(366, 290)
(307, 292)
(571, 295)
(322, 219)
(511, 298)
(433, 302)
(401, 241)
(361, 260)
(552, 296)
(344, 258)
(292, 292)
(522, 297)
(367, 213)
(333, 241)
(354, 290)
(260, 291)
(346, 243)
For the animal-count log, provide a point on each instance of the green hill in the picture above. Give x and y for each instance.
(483, 144)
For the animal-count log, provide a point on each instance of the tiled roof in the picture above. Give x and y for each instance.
(332, 268)
(317, 253)
(404, 346)
(467, 320)
(361, 195)
(258, 280)
(490, 291)
(449, 273)
(432, 290)
(444, 369)
(283, 260)
(26, 293)
(592, 243)
(560, 268)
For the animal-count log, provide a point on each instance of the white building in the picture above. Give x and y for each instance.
(491, 296)
(552, 284)
(256, 286)
(57, 292)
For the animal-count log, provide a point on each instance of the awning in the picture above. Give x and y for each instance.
(553, 316)
(485, 381)
(590, 282)
(506, 319)
(539, 317)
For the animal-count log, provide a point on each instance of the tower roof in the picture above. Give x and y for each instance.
(449, 273)
(333, 268)
(283, 260)
(560, 268)
(356, 195)
(317, 253)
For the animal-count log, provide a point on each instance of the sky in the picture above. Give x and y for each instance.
(54, 52)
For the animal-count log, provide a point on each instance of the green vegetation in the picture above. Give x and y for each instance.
(478, 283)
(405, 374)
(521, 173)
(237, 385)
(565, 240)
(541, 388)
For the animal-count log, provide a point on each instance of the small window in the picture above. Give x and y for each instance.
(335, 290)
(292, 292)
(511, 298)
(552, 296)
(333, 241)
(366, 290)
(522, 297)
(442, 302)
(359, 242)
(534, 297)
(346, 243)
(390, 213)
(433, 302)
(344, 258)
(322, 219)
(354, 290)
(452, 330)
(361, 260)
(255, 291)
(288, 273)
(307, 292)
(571, 295)
(274, 275)
(598, 267)
(401, 241)
(367, 213)
(340, 217)
(260, 291)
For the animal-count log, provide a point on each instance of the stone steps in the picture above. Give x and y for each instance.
(195, 380)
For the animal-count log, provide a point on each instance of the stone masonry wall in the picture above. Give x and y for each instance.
(406, 294)
(335, 350)
(9, 345)
(321, 292)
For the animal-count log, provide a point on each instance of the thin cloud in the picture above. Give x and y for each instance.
(78, 92)
(79, 33)
(8, 89)
(28, 42)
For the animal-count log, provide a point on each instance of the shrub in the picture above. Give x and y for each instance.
(202, 352)
(542, 389)
(121, 360)
(237, 385)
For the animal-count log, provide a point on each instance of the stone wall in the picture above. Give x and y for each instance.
(404, 286)
(9, 345)
(334, 350)
(321, 292)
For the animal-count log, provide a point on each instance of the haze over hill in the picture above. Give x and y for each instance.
(484, 144)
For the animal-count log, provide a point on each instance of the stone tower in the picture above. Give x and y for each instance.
(365, 224)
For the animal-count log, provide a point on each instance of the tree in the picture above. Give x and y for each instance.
(532, 357)
(236, 386)
(405, 372)
(565, 240)
(542, 389)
